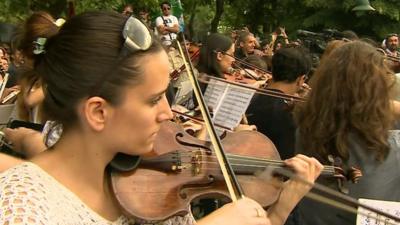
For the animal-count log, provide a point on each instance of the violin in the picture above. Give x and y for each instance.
(184, 168)
(252, 77)
(238, 75)
(194, 52)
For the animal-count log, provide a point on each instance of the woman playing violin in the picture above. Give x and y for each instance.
(212, 59)
(217, 59)
(106, 95)
(349, 115)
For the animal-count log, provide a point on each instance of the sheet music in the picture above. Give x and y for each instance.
(372, 218)
(228, 102)
(183, 92)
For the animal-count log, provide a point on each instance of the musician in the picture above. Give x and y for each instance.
(246, 44)
(349, 115)
(392, 45)
(39, 24)
(167, 24)
(271, 115)
(107, 95)
(128, 10)
(212, 59)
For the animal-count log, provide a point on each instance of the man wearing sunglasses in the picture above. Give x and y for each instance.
(167, 24)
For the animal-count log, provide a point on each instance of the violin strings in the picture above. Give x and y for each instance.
(349, 207)
(261, 163)
(250, 159)
(261, 166)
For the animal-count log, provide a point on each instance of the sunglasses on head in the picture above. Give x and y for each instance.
(137, 36)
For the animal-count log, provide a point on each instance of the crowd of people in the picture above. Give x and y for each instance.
(100, 84)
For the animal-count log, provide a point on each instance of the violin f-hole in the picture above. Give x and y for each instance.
(204, 184)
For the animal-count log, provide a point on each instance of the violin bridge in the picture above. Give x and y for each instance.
(196, 162)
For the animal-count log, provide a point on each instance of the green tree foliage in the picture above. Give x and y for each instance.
(261, 16)
(13, 11)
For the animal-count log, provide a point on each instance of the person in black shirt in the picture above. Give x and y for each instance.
(272, 115)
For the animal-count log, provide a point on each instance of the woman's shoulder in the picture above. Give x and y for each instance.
(19, 174)
(32, 196)
(23, 195)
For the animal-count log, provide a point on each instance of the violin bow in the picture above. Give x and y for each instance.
(177, 72)
(199, 120)
(234, 188)
(349, 204)
(241, 61)
(267, 92)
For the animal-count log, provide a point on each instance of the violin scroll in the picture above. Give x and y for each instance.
(343, 175)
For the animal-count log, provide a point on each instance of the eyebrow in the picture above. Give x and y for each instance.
(159, 93)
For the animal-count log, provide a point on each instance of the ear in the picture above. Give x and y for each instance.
(241, 44)
(219, 55)
(96, 111)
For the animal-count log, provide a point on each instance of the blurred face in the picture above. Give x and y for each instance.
(278, 46)
(143, 15)
(225, 61)
(4, 64)
(166, 9)
(128, 10)
(393, 43)
(249, 44)
(135, 123)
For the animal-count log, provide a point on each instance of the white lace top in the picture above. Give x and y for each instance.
(29, 195)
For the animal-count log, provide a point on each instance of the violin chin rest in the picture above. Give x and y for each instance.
(124, 163)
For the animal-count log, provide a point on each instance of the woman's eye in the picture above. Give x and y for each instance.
(156, 100)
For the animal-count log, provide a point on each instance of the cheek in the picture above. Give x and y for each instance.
(142, 119)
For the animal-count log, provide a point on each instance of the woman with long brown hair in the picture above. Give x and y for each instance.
(349, 115)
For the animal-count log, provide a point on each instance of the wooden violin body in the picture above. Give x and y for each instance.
(185, 168)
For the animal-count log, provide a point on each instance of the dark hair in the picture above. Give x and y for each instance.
(165, 3)
(371, 42)
(290, 63)
(257, 61)
(349, 34)
(84, 59)
(208, 58)
(279, 40)
(39, 24)
(242, 36)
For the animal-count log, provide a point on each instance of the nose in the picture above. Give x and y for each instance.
(165, 111)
